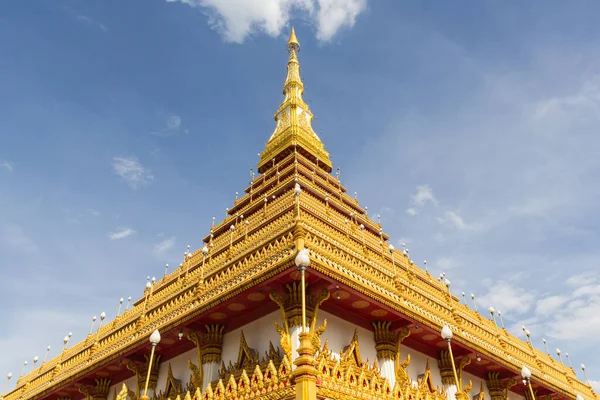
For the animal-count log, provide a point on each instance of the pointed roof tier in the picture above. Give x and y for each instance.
(251, 254)
(293, 130)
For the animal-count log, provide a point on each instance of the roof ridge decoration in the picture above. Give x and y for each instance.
(293, 130)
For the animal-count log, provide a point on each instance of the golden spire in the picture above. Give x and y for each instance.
(294, 131)
(293, 41)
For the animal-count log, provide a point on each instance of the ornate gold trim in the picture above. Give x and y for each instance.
(445, 366)
(481, 394)
(140, 371)
(495, 386)
(344, 378)
(387, 342)
(249, 358)
(350, 354)
(173, 387)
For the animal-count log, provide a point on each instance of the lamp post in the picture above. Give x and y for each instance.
(569, 361)
(501, 320)
(46, 355)
(65, 343)
(491, 311)
(585, 374)
(474, 303)
(546, 345)
(7, 380)
(558, 352)
(447, 336)
(526, 375)
(204, 254)
(102, 317)
(23, 370)
(391, 250)
(528, 335)
(297, 191)
(188, 260)
(121, 300)
(154, 340)
(302, 262)
(92, 326)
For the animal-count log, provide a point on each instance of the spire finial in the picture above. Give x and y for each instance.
(293, 120)
(293, 43)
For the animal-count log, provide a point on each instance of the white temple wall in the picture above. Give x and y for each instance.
(418, 362)
(339, 333)
(258, 333)
(514, 396)
(476, 384)
(179, 367)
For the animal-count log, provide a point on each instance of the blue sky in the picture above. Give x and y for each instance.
(471, 127)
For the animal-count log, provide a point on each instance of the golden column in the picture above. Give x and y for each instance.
(387, 345)
(447, 336)
(97, 392)
(526, 375)
(495, 386)
(305, 374)
(211, 349)
(154, 340)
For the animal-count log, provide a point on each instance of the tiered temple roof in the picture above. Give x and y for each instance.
(252, 251)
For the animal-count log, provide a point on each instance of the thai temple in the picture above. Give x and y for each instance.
(298, 293)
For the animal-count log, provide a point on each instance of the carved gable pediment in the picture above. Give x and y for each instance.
(247, 357)
(425, 381)
(481, 394)
(351, 353)
(173, 388)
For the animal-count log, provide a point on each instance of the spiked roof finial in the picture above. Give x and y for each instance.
(293, 43)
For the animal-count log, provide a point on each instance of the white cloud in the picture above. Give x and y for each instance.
(446, 264)
(121, 233)
(134, 173)
(165, 245)
(236, 19)
(84, 19)
(548, 305)
(595, 385)
(423, 195)
(174, 123)
(508, 298)
(569, 316)
(335, 14)
(7, 165)
(455, 220)
(412, 211)
(172, 127)
(56, 321)
(582, 279)
(585, 102)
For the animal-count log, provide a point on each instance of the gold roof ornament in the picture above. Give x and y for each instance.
(293, 42)
(293, 131)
